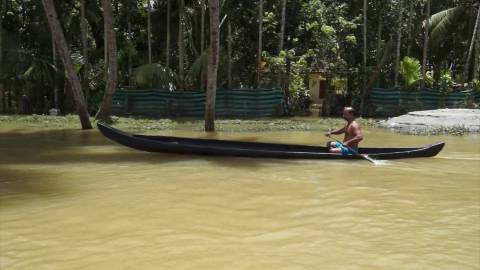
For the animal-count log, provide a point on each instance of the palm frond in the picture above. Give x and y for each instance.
(443, 23)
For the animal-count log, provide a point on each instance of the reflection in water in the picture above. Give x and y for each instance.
(73, 200)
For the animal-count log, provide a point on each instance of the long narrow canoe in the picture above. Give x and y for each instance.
(179, 145)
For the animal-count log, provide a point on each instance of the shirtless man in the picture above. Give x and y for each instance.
(353, 134)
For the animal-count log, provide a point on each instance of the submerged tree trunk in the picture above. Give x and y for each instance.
(212, 65)
(63, 50)
(470, 49)
(86, 66)
(167, 49)
(260, 37)
(181, 45)
(105, 109)
(425, 43)
(282, 37)
(399, 44)
(229, 45)
(364, 66)
(149, 31)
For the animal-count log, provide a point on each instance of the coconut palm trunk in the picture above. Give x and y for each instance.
(212, 66)
(260, 37)
(364, 81)
(86, 66)
(476, 68)
(282, 37)
(425, 43)
(409, 26)
(4, 103)
(149, 31)
(167, 49)
(55, 87)
(229, 49)
(202, 41)
(470, 49)
(399, 43)
(64, 53)
(181, 45)
(105, 110)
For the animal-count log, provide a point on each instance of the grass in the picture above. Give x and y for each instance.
(145, 125)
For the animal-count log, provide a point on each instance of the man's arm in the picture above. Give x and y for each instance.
(336, 132)
(357, 135)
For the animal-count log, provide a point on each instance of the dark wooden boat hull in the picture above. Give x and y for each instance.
(180, 145)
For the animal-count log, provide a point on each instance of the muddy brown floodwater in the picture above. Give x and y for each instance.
(71, 199)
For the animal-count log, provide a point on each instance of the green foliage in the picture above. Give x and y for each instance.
(154, 76)
(446, 80)
(410, 69)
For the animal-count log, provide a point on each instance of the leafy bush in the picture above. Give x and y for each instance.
(410, 69)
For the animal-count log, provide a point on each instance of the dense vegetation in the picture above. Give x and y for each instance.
(163, 44)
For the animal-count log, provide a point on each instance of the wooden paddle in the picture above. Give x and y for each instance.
(364, 156)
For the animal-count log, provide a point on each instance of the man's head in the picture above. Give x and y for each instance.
(349, 113)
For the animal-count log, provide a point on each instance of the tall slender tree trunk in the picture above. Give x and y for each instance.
(202, 42)
(379, 40)
(409, 25)
(470, 49)
(55, 87)
(212, 65)
(282, 37)
(167, 50)
(86, 67)
(63, 50)
(149, 31)
(476, 68)
(129, 53)
(105, 109)
(4, 103)
(260, 37)
(364, 66)
(229, 45)
(425, 43)
(399, 44)
(181, 46)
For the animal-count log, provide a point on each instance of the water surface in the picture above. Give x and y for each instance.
(71, 199)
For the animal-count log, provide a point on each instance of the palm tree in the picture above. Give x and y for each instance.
(470, 50)
(399, 42)
(460, 19)
(364, 90)
(212, 68)
(105, 109)
(181, 45)
(4, 105)
(149, 31)
(86, 69)
(260, 37)
(282, 36)
(167, 50)
(425, 43)
(64, 53)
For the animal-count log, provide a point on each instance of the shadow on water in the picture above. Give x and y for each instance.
(53, 147)
(26, 185)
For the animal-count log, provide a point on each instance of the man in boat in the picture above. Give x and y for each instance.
(353, 134)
